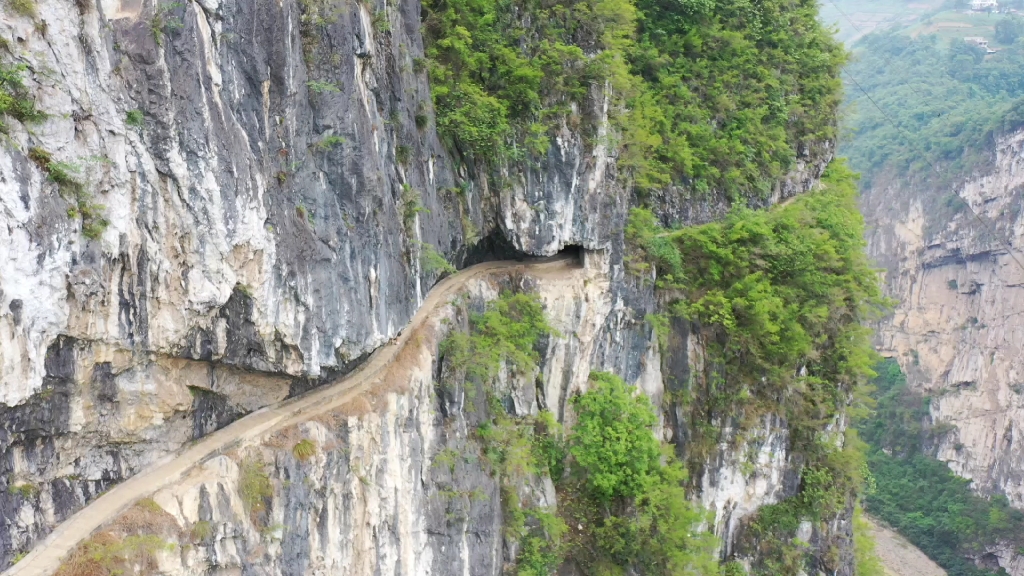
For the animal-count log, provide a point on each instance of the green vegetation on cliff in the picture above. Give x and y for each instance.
(622, 501)
(626, 491)
(777, 298)
(708, 95)
(15, 101)
(505, 332)
(731, 90)
(920, 496)
(780, 296)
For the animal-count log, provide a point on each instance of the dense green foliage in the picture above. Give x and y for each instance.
(488, 84)
(14, 99)
(778, 298)
(135, 118)
(612, 440)
(1008, 29)
(947, 99)
(918, 495)
(776, 292)
(899, 420)
(622, 493)
(731, 89)
(705, 94)
(627, 492)
(505, 331)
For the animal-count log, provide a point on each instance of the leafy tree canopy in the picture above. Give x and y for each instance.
(920, 496)
(705, 94)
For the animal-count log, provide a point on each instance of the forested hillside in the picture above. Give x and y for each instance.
(928, 105)
(943, 102)
(708, 95)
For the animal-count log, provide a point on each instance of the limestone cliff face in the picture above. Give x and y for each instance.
(265, 222)
(267, 218)
(957, 330)
(397, 483)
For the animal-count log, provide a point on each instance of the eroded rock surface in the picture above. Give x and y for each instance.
(269, 192)
(957, 330)
(398, 482)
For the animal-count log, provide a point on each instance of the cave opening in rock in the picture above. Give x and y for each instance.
(492, 248)
(496, 247)
(574, 251)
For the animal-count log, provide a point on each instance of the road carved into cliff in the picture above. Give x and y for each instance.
(45, 558)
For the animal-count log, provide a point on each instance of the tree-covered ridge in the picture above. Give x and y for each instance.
(777, 297)
(920, 496)
(948, 100)
(732, 89)
(706, 94)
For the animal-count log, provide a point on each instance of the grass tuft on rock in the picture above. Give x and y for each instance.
(304, 450)
(254, 486)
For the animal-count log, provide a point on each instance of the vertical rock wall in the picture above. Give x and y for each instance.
(398, 482)
(268, 186)
(266, 220)
(957, 330)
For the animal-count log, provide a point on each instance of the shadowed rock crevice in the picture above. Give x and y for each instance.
(210, 412)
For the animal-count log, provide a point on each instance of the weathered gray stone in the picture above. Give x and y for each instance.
(250, 256)
(956, 329)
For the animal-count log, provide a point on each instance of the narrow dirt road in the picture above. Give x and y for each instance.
(47, 555)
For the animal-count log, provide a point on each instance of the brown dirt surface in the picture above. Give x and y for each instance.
(901, 558)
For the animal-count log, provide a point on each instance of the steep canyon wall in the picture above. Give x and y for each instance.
(260, 184)
(957, 332)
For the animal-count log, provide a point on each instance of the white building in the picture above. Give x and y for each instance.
(980, 42)
(980, 5)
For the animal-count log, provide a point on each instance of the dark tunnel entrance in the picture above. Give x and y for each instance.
(496, 247)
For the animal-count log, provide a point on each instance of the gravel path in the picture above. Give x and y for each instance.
(47, 555)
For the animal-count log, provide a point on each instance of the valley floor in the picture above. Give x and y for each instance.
(900, 557)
